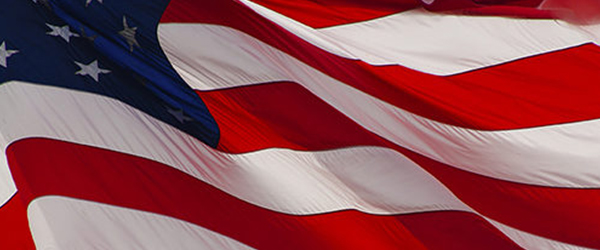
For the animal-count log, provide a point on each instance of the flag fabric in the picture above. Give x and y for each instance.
(306, 124)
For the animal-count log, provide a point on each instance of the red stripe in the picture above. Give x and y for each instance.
(522, 8)
(553, 88)
(14, 228)
(283, 115)
(580, 11)
(326, 13)
(511, 11)
(454, 232)
(300, 120)
(66, 169)
(522, 3)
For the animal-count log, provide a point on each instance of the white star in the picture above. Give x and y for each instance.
(5, 54)
(179, 115)
(87, 2)
(129, 34)
(91, 70)
(63, 32)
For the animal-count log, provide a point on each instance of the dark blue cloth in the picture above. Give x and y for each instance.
(143, 78)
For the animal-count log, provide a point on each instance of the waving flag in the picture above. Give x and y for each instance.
(307, 124)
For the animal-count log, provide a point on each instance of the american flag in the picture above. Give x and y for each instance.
(305, 124)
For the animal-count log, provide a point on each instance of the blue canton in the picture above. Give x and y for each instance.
(106, 47)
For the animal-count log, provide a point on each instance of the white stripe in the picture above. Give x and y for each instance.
(212, 57)
(435, 43)
(370, 179)
(7, 186)
(65, 223)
